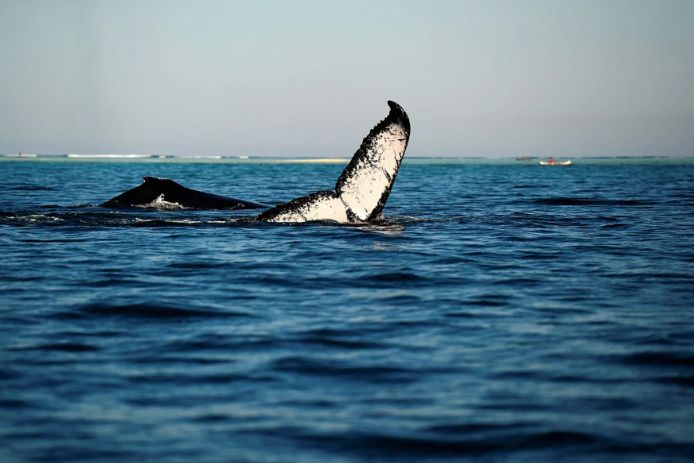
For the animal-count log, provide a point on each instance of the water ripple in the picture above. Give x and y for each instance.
(145, 311)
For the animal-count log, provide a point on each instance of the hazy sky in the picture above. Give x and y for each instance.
(489, 78)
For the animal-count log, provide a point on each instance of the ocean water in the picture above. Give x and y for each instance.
(500, 311)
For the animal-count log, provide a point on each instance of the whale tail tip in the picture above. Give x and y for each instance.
(398, 114)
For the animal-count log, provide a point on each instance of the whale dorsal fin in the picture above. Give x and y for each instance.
(366, 182)
(159, 181)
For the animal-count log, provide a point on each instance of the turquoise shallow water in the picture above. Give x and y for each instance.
(499, 312)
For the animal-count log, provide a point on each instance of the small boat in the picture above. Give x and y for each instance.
(554, 162)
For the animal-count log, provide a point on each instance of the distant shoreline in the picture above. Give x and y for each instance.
(159, 158)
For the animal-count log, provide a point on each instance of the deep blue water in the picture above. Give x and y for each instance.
(500, 312)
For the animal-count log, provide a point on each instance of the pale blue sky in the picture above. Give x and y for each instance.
(478, 78)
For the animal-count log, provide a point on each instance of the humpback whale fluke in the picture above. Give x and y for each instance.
(154, 190)
(362, 190)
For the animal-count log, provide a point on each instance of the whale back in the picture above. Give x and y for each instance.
(165, 193)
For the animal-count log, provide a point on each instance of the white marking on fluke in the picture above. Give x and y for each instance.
(363, 188)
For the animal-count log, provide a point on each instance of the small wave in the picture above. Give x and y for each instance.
(475, 427)
(145, 311)
(407, 447)
(488, 301)
(30, 188)
(54, 240)
(343, 370)
(197, 265)
(9, 374)
(188, 379)
(686, 381)
(336, 333)
(108, 283)
(220, 343)
(404, 299)
(323, 340)
(389, 277)
(530, 220)
(212, 418)
(69, 347)
(567, 201)
(9, 404)
(659, 358)
(388, 230)
(149, 359)
(385, 221)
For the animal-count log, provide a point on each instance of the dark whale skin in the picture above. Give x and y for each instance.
(173, 192)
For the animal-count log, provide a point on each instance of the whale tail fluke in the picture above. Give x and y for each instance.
(362, 190)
